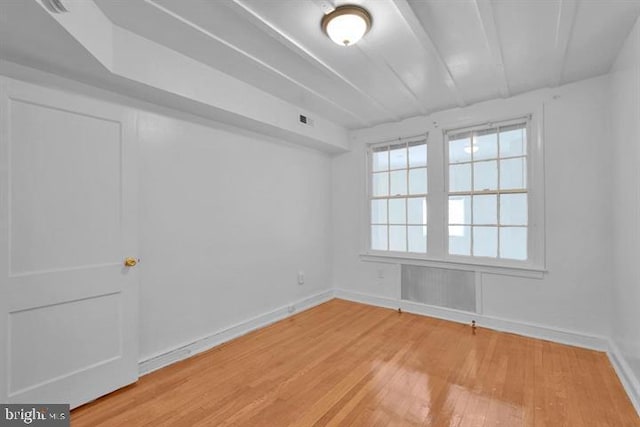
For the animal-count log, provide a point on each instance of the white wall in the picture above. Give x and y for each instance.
(228, 218)
(575, 293)
(227, 221)
(625, 113)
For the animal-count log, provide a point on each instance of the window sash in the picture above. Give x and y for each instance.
(388, 147)
(471, 132)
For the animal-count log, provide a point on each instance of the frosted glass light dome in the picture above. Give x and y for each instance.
(346, 24)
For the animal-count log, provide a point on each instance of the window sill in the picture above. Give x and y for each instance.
(409, 259)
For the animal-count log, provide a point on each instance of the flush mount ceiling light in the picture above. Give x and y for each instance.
(346, 24)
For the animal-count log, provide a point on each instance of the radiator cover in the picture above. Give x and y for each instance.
(439, 287)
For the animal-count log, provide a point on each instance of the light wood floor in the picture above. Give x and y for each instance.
(347, 364)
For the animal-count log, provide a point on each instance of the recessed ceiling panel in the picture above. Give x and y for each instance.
(397, 50)
(301, 19)
(456, 29)
(527, 31)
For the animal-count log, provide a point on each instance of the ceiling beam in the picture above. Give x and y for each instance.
(257, 60)
(425, 40)
(488, 22)
(564, 29)
(301, 50)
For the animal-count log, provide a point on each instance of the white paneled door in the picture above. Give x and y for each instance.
(68, 214)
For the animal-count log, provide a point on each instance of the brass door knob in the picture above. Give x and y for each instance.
(130, 262)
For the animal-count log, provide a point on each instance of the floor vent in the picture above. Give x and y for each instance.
(439, 287)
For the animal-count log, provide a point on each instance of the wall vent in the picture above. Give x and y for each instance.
(439, 287)
(305, 120)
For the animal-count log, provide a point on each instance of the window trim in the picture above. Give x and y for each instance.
(454, 264)
(437, 194)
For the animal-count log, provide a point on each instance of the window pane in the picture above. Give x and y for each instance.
(380, 184)
(513, 209)
(398, 183)
(485, 175)
(460, 148)
(379, 211)
(417, 238)
(485, 145)
(513, 243)
(513, 173)
(397, 211)
(459, 240)
(398, 238)
(417, 155)
(459, 209)
(418, 181)
(398, 157)
(380, 159)
(379, 237)
(485, 241)
(485, 209)
(460, 177)
(512, 141)
(417, 210)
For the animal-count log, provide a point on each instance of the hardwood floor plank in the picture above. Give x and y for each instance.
(343, 363)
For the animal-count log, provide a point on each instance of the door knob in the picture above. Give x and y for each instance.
(130, 262)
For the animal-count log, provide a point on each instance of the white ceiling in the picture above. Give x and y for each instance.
(420, 56)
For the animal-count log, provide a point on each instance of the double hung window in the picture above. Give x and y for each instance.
(487, 192)
(466, 195)
(398, 196)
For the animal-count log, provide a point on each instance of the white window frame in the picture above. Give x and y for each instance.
(437, 198)
(424, 137)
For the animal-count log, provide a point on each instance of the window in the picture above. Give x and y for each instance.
(487, 194)
(482, 187)
(398, 196)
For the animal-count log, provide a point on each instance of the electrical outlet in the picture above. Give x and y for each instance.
(300, 277)
(380, 273)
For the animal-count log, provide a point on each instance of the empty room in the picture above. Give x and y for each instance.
(320, 213)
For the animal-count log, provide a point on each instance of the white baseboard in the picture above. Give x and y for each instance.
(532, 330)
(205, 343)
(563, 336)
(628, 379)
